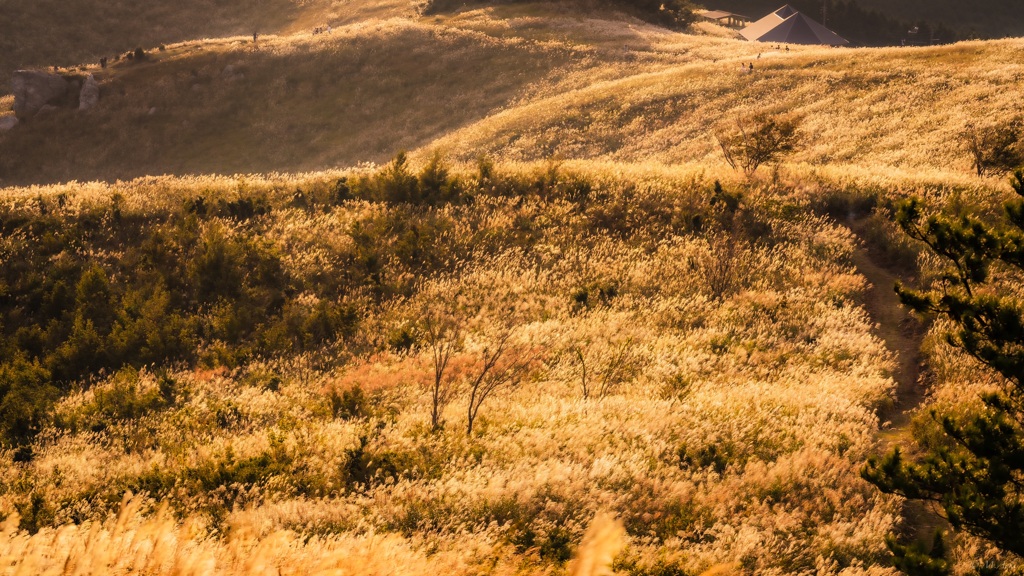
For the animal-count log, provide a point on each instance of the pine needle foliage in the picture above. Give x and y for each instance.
(975, 473)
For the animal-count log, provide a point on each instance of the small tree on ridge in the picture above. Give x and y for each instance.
(757, 140)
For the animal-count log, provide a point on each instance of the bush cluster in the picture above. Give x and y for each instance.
(99, 288)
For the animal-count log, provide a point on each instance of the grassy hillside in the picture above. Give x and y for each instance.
(53, 32)
(295, 103)
(518, 85)
(586, 346)
(869, 107)
(682, 370)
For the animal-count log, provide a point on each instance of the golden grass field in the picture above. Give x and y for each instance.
(702, 376)
(517, 83)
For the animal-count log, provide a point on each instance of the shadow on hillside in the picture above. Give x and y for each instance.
(334, 101)
(62, 33)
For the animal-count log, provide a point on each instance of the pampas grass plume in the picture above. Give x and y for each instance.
(603, 540)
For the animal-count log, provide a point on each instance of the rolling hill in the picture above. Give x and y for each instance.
(514, 83)
(242, 333)
(56, 33)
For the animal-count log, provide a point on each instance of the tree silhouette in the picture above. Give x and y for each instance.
(975, 472)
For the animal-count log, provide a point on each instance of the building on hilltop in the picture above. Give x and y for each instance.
(727, 19)
(789, 26)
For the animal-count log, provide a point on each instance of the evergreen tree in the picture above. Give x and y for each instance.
(975, 471)
(913, 559)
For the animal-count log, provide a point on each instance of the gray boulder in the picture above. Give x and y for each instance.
(90, 94)
(8, 122)
(33, 90)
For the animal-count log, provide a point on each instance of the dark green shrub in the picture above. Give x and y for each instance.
(26, 396)
(349, 404)
(341, 191)
(402, 339)
(94, 300)
(436, 184)
(708, 456)
(216, 271)
(122, 399)
(396, 183)
(363, 469)
(594, 295)
(36, 513)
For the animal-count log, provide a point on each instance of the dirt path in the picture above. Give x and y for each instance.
(903, 335)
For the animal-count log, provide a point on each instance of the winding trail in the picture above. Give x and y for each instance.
(903, 334)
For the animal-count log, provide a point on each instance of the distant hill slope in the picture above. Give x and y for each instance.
(897, 108)
(358, 94)
(980, 18)
(62, 33)
(517, 85)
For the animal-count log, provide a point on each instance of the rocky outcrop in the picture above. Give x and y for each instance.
(38, 93)
(33, 90)
(90, 94)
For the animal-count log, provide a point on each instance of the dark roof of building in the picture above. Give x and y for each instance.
(788, 26)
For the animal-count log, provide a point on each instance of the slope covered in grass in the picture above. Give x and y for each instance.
(696, 364)
(460, 370)
(295, 103)
(898, 108)
(517, 84)
(59, 33)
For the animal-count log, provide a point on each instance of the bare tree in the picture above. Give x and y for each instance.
(720, 266)
(617, 367)
(583, 367)
(502, 365)
(757, 140)
(997, 148)
(443, 337)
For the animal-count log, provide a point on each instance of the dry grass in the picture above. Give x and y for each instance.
(735, 436)
(519, 84)
(55, 32)
(296, 103)
(897, 108)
